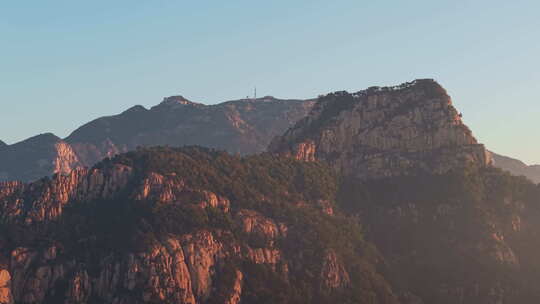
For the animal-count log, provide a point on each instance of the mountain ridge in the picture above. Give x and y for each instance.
(216, 125)
(381, 132)
(248, 133)
(516, 167)
(243, 126)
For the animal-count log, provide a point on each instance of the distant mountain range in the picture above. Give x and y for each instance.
(516, 167)
(240, 126)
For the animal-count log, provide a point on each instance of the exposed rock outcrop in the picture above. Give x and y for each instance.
(333, 274)
(5, 287)
(45, 199)
(384, 132)
(236, 290)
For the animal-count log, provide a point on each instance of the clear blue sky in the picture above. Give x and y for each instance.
(63, 63)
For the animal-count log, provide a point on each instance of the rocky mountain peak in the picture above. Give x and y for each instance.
(135, 109)
(174, 101)
(385, 131)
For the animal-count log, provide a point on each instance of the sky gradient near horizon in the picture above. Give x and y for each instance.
(64, 63)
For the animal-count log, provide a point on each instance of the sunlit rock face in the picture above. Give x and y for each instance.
(381, 132)
(169, 226)
(5, 287)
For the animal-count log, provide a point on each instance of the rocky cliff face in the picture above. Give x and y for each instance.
(5, 287)
(184, 226)
(381, 132)
(36, 157)
(516, 167)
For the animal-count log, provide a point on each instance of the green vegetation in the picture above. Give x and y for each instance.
(330, 106)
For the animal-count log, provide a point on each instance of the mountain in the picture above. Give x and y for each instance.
(240, 126)
(36, 157)
(187, 225)
(2, 144)
(381, 196)
(247, 126)
(451, 227)
(381, 132)
(516, 167)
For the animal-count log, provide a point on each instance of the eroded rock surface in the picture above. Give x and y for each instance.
(5, 287)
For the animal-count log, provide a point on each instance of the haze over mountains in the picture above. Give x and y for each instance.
(516, 167)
